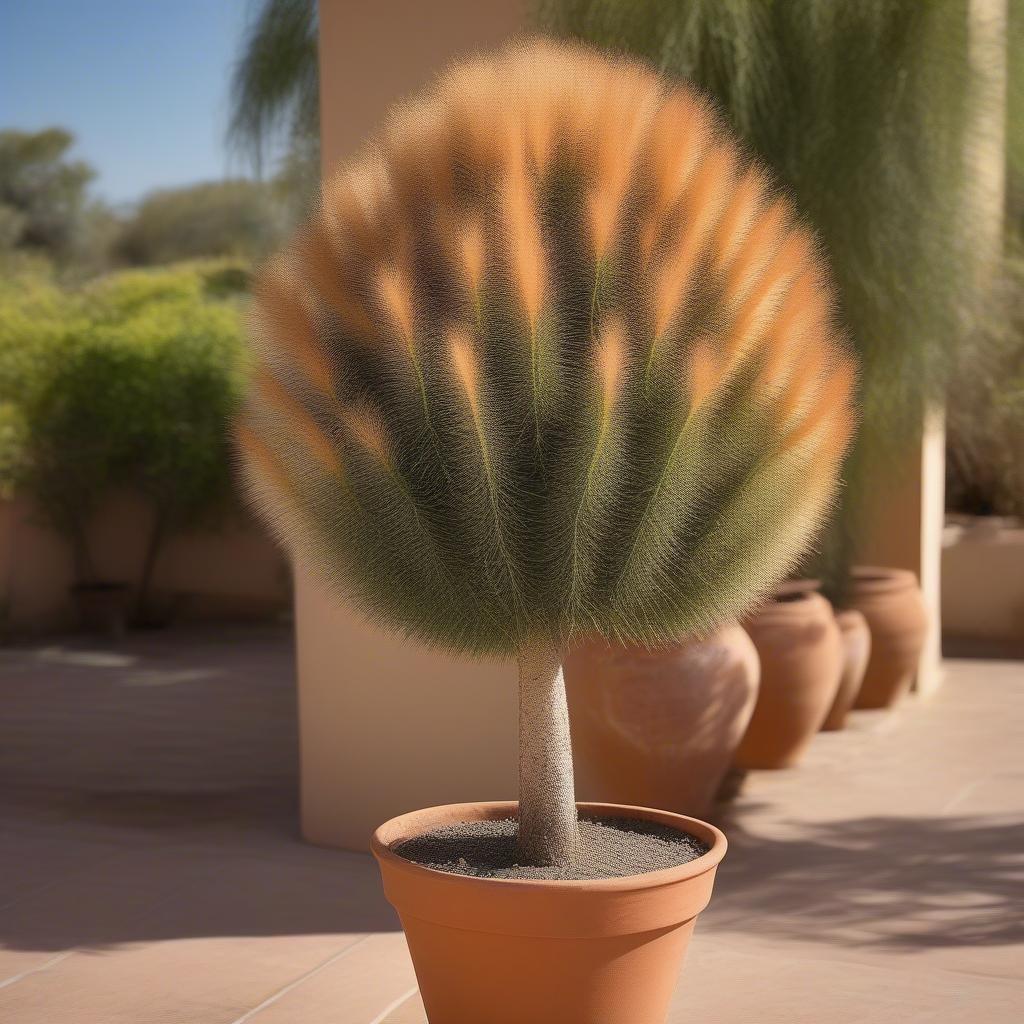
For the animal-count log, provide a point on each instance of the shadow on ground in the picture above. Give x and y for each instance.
(149, 793)
(900, 883)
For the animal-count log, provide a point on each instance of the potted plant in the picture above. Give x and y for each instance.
(983, 551)
(551, 359)
(130, 384)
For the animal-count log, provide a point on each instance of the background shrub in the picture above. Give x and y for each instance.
(239, 218)
(985, 414)
(130, 382)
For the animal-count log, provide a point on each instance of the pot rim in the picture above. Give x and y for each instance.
(654, 651)
(876, 579)
(793, 604)
(396, 829)
(800, 585)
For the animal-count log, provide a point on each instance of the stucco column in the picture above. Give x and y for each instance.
(387, 726)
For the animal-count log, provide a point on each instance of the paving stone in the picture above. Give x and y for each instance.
(151, 871)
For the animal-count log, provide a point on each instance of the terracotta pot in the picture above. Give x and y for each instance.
(511, 951)
(856, 637)
(659, 728)
(891, 601)
(798, 641)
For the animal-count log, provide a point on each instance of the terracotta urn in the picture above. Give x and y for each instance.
(800, 648)
(856, 637)
(891, 601)
(521, 951)
(659, 728)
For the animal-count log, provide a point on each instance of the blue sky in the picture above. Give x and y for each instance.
(143, 84)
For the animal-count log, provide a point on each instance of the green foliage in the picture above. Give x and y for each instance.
(861, 107)
(44, 208)
(241, 219)
(985, 413)
(985, 409)
(576, 375)
(276, 87)
(1015, 120)
(128, 382)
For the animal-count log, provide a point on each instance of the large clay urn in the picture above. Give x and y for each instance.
(799, 645)
(659, 728)
(891, 601)
(856, 636)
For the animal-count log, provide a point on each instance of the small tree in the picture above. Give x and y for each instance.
(178, 384)
(240, 218)
(552, 358)
(42, 192)
(131, 382)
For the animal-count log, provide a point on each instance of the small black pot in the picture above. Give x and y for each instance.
(102, 607)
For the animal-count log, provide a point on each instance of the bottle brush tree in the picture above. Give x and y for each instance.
(552, 358)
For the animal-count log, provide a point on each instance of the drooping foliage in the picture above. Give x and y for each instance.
(553, 357)
(985, 409)
(863, 109)
(275, 88)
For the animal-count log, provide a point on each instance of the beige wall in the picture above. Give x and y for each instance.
(374, 52)
(387, 726)
(230, 573)
(983, 588)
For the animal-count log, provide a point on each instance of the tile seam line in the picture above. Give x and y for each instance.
(52, 962)
(392, 1006)
(285, 989)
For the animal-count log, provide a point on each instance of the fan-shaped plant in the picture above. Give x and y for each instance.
(552, 359)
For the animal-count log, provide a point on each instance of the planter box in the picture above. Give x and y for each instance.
(232, 573)
(983, 586)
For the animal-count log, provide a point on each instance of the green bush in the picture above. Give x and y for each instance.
(239, 218)
(129, 382)
(985, 414)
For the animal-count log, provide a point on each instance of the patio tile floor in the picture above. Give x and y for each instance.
(151, 873)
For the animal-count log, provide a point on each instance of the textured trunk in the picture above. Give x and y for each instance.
(153, 546)
(85, 569)
(548, 832)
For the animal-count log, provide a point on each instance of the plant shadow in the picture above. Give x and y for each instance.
(896, 883)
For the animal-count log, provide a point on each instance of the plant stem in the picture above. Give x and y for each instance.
(153, 547)
(548, 827)
(85, 568)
